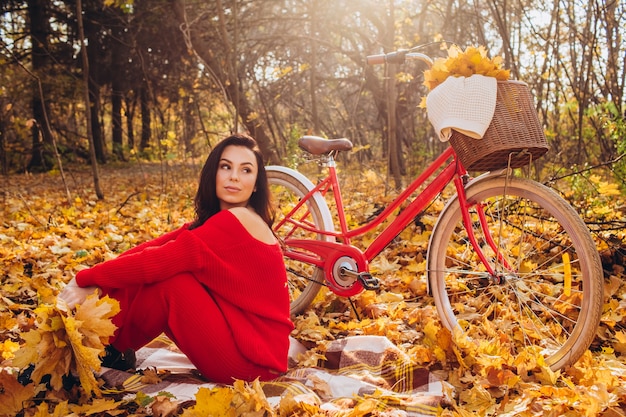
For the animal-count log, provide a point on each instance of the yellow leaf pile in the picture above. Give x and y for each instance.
(65, 342)
(459, 63)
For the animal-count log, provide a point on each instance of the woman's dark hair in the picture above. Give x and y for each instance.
(206, 202)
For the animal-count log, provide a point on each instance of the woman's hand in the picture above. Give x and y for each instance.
(73, 295)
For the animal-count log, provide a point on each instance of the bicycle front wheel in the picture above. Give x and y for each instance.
(546, 294)
(288, 188)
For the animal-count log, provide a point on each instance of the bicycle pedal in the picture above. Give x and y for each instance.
(368, 281)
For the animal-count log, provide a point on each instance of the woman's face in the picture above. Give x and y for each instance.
(236, 177)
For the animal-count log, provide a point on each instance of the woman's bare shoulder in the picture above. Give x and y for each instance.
(254, 224)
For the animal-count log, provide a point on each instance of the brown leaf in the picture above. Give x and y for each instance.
(163, 407)
(150, 376)
(13, 395)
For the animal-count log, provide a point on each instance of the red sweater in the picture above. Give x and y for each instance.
(245, 276)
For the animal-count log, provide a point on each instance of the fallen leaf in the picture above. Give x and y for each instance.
(13, 395)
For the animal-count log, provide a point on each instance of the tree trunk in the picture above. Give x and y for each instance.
(146, 133)
(41, 157)
(313, 69)
(93, 85)
(118, 74)
(130, 101)
(615, 58)
(95, 126)
(85, 60)
(116, 116)
(4, 167)
(189, 126)
(394, 166)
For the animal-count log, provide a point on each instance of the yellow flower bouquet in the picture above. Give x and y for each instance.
(473, 60)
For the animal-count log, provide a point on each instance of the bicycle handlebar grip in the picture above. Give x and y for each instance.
(376, 59)
(397, 57)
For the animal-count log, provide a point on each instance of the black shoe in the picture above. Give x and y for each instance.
(122, 361)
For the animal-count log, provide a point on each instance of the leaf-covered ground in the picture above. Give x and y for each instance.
(47, 235)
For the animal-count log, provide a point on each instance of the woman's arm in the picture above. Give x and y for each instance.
(156, 241)
(185, 253)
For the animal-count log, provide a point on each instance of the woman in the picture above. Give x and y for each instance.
(217, 286)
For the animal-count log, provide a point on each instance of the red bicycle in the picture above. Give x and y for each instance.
(507, 257)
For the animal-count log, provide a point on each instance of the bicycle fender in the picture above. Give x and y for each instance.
(317, 197)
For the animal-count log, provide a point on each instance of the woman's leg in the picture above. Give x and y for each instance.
(184, 310)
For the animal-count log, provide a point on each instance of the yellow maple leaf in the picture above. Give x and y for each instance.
(88, 331)
(478, 400)
(95, 317)
(212, 402)
(86, 358)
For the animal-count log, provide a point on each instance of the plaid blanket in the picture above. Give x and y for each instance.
(354, 367)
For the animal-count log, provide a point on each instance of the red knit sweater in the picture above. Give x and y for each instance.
(245, 276)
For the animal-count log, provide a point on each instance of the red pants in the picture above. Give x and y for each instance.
(184, 310)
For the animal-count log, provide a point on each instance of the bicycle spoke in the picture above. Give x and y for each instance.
(297, 219)
(542, 295)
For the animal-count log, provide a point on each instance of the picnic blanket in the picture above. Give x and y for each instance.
(353, 367)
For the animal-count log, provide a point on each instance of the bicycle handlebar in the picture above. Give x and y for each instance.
(398, 57)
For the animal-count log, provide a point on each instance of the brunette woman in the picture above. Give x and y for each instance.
(217, 286)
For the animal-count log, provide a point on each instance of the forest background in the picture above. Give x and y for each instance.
(168, 78)
(161, 81)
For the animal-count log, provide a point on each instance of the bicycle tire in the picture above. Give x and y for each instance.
(544, 303)
(287, 188)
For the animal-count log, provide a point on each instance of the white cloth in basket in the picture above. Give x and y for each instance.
(465, 104)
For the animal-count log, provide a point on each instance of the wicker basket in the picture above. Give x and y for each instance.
(514, 133)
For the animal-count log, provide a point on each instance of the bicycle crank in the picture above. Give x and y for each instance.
(345, 267)
(345, 274)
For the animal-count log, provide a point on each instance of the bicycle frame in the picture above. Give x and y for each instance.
(555, 299)
(452, 172)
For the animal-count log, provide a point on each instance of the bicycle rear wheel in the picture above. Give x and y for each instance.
(287, 188)
(547, 292)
